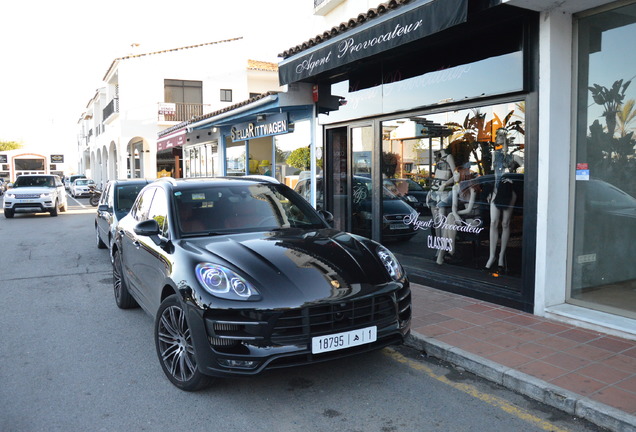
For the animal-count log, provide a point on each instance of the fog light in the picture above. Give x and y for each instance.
(241, 364)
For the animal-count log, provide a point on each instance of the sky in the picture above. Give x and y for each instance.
(53, 54)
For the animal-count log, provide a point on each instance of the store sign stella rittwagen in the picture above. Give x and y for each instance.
(274, 124)
(400, 27)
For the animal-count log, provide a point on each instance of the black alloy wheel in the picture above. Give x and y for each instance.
(122, 296)
(175, 348)
(54, 210)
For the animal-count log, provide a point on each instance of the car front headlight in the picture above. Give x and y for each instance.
(46, 195)
(391, 264)
(10, 195)
(224, 283)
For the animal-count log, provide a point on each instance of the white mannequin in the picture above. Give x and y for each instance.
(500, 211)
(444, 169)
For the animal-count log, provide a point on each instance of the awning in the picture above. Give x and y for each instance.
(401, 26)
(175, 139)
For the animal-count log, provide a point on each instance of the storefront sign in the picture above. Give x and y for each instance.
(406, 24)
(57, 158)
(275, 124)
(167, 108)
(3, 158)
(176, 139)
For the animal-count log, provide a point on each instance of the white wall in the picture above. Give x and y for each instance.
(555, 147)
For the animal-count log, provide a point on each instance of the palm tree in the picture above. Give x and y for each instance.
(625, 116)
(611, 99)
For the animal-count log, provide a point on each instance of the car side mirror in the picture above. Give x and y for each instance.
(149, 228)
(9, 185)
(327, 216)
(103, 208)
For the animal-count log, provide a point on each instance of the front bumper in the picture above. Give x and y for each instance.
(29, 207)
(248, 342)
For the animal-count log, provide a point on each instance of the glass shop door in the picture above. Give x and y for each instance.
(349, 152)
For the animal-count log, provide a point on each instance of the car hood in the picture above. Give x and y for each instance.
(27, 190)
(293, 267)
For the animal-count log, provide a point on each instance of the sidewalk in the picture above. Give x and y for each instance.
(585, 373)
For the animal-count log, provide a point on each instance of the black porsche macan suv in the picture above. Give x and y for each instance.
(242, 275)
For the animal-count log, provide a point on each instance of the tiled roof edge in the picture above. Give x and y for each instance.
(371, 14)
(166, 51)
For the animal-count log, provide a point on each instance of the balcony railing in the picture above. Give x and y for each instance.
(111, 108)
(178, 112)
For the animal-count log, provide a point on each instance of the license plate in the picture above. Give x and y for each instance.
(26, 201)
(338, 341)
(398, 227)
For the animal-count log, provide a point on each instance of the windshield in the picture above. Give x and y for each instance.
(27, 181)
(256, 207)
(84, 182)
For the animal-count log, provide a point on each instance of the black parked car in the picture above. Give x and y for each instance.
(396, 211)
(243, 275)
(114, 204)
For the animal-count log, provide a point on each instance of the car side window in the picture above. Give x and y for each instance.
(142, 206)
(159, 211)
(105, 196)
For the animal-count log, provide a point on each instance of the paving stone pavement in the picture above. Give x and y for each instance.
(585, 373)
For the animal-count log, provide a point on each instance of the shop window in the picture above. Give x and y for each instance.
(235, 158)
(226, 95)
(453, 187)
(603, 236)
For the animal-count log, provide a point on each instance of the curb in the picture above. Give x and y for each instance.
(595, 412)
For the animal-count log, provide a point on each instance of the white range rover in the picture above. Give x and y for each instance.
(35, 193)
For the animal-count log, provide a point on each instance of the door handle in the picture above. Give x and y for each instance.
(136, 244)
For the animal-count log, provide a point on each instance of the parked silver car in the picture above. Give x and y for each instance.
(81, 187)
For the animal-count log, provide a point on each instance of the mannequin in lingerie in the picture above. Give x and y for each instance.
(463, 193)
(502, 200)
(438, 196)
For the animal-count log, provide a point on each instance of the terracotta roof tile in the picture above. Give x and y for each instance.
(262, 66)
(166, 51)
(371, 14)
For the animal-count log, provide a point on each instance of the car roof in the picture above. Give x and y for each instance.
(130, 181)
(191, 183)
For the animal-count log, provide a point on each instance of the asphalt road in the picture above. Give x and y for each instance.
(70, 360)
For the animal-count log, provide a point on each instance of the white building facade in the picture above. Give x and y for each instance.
(143, 94)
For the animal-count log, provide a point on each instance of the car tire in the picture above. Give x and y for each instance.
(9, 214)
(175, 348)
(122, 296)
(54, 210)
(100, 243)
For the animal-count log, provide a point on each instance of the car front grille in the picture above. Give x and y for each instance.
(228, 330)
(299, 326)
(27, 196)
